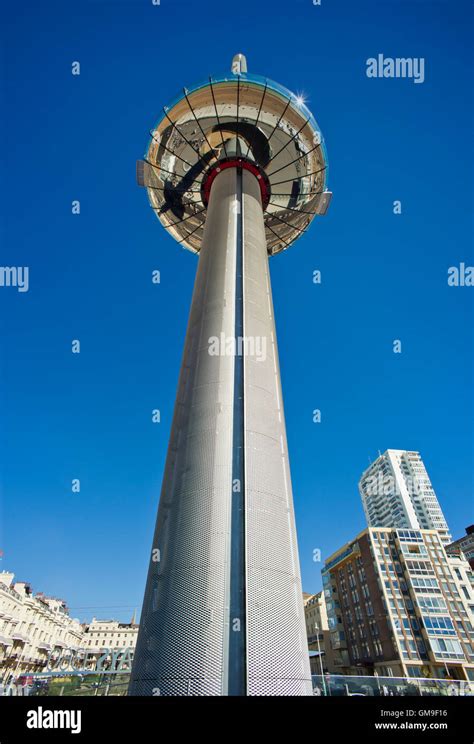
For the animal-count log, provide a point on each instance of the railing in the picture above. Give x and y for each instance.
(116, 684)
(361, 686)
(67, 685)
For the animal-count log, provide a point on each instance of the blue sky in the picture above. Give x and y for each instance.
(384, 276)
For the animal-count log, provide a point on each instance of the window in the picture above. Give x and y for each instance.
(432, 604)
(397, 626)
(420, 568)
(447, 648)
(439, 625)
(426, 585)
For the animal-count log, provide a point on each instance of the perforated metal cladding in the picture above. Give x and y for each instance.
(277, 652)
(184, 626)
(183, 643)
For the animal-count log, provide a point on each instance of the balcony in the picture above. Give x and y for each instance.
(19, 637)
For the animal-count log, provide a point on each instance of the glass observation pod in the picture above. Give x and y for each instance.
(244, 117)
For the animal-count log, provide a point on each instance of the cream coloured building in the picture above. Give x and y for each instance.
(32, 627)
(317, 631)
(37, 634)
(101, 636)
(315, 613)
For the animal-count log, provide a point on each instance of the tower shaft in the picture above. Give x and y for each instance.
(223, 610)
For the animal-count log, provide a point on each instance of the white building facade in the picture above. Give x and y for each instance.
(37, 635)
(110, 643)
(32, 628)
(396, 492)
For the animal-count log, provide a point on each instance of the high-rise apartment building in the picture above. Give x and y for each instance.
(398, 606)
(396, 492)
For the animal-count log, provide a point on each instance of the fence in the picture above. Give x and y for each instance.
(77, 685)
(116, 684)
(345, 685)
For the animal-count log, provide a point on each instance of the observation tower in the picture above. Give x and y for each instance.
(236, 171)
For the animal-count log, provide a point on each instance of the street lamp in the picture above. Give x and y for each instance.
(316, 626)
